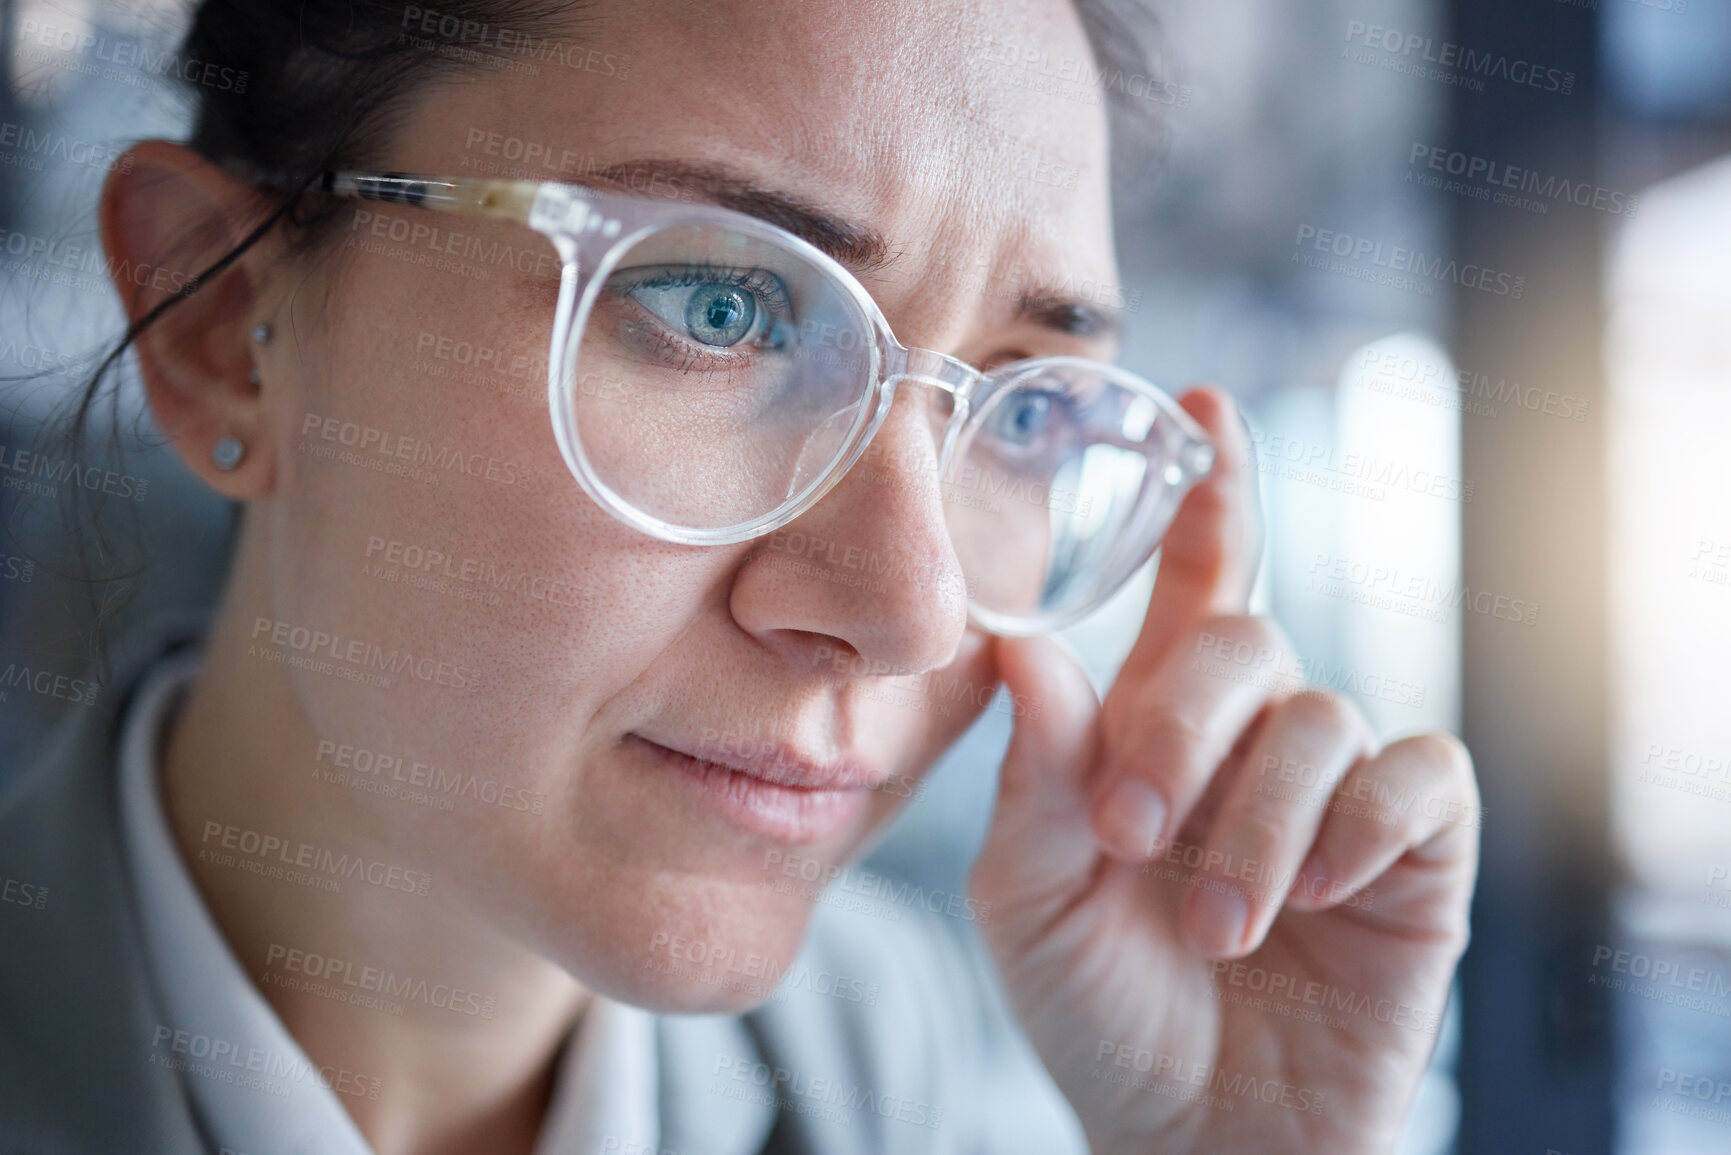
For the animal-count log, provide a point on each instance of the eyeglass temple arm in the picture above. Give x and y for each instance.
(508, 200)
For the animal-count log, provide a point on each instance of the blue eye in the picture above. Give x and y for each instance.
(1022, 419)
(719, 314)
(718, 307)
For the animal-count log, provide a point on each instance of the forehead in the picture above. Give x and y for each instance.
(898, 115)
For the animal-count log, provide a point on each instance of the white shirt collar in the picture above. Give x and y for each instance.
(252, 1086)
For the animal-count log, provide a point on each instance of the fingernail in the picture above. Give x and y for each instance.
(1135, 816)
(1217, 919)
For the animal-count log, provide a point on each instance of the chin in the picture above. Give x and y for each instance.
(710, 994)
(709, 952)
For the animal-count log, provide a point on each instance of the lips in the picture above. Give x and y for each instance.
(781, 764)
(770, 789)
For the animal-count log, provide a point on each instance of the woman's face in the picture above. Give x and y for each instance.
(563, 665)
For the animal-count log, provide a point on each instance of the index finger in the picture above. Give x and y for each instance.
(1209, 556)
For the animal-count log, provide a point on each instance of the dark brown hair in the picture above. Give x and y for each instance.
(326, 85)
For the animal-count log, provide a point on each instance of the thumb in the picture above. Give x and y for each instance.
(1053, 745)
(1041, 849)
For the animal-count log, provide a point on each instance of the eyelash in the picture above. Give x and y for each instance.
(681, 353)
(766, 286)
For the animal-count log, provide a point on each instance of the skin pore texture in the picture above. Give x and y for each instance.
(583, 840)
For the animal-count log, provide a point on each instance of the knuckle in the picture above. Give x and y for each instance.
(1231, 627)
(1253, 628)
(1175, 741)
(1269, 633)
(1259, 831)
(1321, 712)
(1252, 642)
(1444, 751)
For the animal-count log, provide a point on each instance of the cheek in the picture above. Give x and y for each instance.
(442, 591)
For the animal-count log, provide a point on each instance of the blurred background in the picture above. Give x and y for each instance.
(1467, 266)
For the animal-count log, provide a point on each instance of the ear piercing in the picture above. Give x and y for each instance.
(227, 453)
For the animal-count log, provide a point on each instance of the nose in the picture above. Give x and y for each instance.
(870, 568)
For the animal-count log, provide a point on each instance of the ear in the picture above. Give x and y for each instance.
(168, 214)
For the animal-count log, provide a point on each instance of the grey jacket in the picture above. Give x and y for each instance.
(77, 1009)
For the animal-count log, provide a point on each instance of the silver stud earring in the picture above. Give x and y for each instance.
(227, 453)
(252, 375)
(261, 332)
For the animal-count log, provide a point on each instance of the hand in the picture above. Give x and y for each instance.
(1227, 920)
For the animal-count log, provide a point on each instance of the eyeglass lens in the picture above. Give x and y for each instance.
(719, 375)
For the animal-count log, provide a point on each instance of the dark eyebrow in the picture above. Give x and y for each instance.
(1071, 316)
(861, 248)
